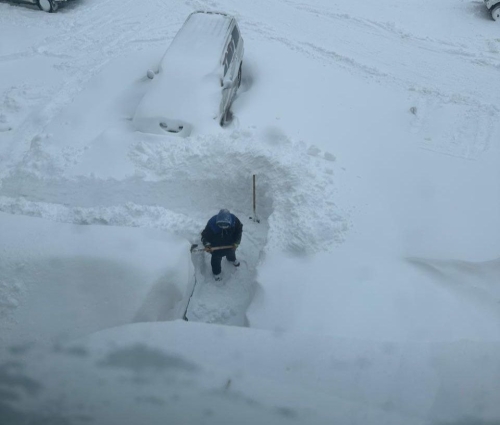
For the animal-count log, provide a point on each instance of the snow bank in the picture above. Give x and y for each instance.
(378, 298)
(197, 373)
(60, 281)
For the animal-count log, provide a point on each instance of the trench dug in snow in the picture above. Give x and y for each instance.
(177, 187)
(295, 205)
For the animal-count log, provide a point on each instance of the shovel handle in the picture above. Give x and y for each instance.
(215, 248)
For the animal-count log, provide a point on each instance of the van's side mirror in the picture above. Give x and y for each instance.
(150, 74)
(227, 83)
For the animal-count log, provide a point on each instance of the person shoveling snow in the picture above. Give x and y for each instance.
(221, 237)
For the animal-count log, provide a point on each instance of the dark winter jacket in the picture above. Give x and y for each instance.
(215, 236)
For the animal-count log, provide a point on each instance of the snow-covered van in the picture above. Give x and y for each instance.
(494, 7)
(197, 78)
(46, 5)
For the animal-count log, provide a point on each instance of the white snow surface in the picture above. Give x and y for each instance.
(369, 292)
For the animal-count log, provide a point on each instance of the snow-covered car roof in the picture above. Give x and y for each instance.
(200, 41)
(187, 87)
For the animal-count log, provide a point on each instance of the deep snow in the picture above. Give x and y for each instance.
(369, 291)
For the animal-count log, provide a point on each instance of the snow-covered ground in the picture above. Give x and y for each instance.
(369, 293)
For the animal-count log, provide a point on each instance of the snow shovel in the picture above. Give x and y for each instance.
(215, 248)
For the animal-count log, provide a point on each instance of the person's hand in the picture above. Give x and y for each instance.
(208, 248)
(235, 246)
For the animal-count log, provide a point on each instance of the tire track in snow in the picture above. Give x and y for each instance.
(373, 50)
(467, 134)
(391, 31)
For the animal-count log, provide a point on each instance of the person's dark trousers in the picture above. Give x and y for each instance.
(216, 260)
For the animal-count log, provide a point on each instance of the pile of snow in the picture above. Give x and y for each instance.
(198, 373)
(62, 281)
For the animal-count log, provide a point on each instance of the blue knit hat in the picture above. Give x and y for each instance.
(224, 219)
